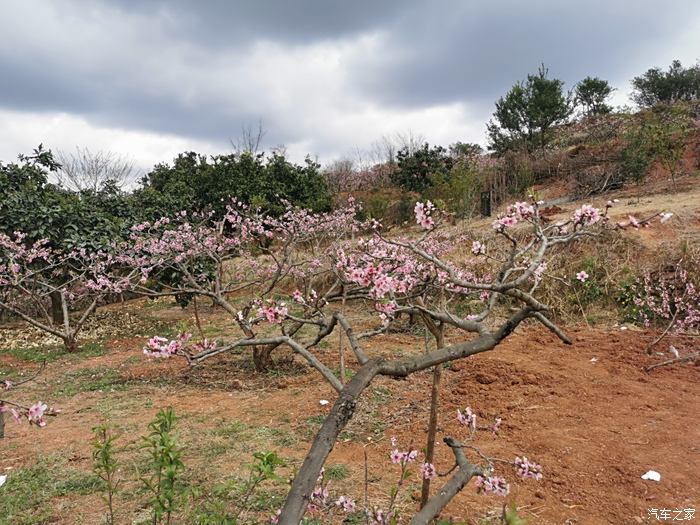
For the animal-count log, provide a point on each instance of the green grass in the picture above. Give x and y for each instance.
(27, 495)
(88, 380)
(381, 395)
(242, 432)
(37, 355)
(277, 436)
(337, 472)
(92, 349)
(231, 429)
(316, 420)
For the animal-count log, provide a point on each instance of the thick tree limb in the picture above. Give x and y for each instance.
(342, 411)
(465, 472)
(552, 327)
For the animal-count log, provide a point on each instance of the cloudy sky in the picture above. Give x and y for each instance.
(149, 78)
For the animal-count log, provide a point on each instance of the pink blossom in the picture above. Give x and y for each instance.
(422, 213)
(492, 485)
(582, 276)
(586, 215)
(522, 210)
(467, 418)
(36, 412)
(345, 503)
(478, 248)
(537, 273)
(161, 347)
(496, 425)
(273, 313)
(428, 471)
(526, 469)
(504, 222)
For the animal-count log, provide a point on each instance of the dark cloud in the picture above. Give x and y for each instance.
(232, 23)
(457, 51)
(206, 69)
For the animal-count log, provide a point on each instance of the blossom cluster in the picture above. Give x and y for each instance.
(587, 215)
(35, 414)
(162, 347)
(274, 313)
(423, 212)
(515, 213)
(467, 418)
(527, 469)
(494, 485)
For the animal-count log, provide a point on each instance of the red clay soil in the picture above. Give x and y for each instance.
(588, 413)
(595, 426)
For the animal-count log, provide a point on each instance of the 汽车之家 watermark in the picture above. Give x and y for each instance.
(672, 514)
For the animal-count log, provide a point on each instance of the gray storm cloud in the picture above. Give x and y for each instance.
(322, 75)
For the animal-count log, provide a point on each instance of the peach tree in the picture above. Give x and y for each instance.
(481, 289)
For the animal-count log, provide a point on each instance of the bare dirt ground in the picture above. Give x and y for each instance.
(588, 413)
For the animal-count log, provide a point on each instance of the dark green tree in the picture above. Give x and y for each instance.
(90, 220)
(525, 116)
(659, 87)
(465, 151)
(417, 169)
(591, 95)
(197, 182)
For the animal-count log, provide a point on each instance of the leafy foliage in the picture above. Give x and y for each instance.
(591, 94)
(41, 210)
(417, 169)
(105, 465)
(659, 87)
(165, 465)
(196, 182)
(524, 117)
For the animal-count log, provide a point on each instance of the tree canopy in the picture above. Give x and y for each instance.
(524, 117)
(659, 87)
(195, 181)
(416, 169)
(591, 95)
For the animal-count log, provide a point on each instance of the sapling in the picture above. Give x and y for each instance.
(105, 465)
(165, 465)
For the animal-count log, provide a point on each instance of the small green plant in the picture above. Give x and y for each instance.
(105, 465)
(165, 465)
(246, 495)
(337, 472)
(511, 516)
(591, 291)
(627, 299)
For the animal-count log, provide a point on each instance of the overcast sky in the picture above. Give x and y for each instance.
(150, 79)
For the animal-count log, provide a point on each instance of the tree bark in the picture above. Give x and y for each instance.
(342, 411)
(262, 358)
(56, 308)
(465, 472)
(432, 431)
(439, 335)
